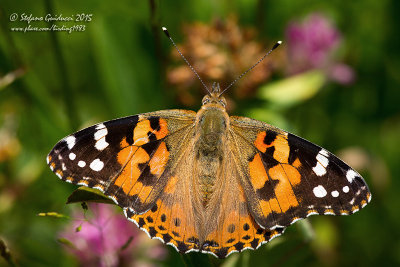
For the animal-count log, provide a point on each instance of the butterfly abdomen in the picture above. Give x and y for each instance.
(212, 122)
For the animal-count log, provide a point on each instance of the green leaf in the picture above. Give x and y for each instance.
(196, 259)
(306, 230)
(85, 194)
(293, 90)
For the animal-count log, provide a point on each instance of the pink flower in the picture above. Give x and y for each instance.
(312, 44)
(102, 239)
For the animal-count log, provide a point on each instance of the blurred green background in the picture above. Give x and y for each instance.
(54, 83)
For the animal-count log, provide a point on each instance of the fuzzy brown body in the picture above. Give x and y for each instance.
(212, 128)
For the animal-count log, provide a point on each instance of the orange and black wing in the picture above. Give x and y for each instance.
(287, 178)
(128, 159)
(231, 226)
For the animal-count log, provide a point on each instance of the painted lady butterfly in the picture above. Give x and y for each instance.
(208, 181)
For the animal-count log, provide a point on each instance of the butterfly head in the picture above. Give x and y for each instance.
(214, 97)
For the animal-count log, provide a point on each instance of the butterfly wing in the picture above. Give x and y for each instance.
(286, 178)
(128, 159)
(173, 219)
(231, 227)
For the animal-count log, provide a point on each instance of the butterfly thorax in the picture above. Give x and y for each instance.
(212, 122)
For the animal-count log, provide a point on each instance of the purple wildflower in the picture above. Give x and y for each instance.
(103, 239)
(312, 45)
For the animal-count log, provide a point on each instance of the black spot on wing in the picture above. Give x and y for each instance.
(230, 240)
(268, 158)
(221, 253)
(182, 247)
(149, 219)
(177, 222)
(154, 208)
(155, 123)
(146, 177)
(254, 243)
(239, 246)
(121, 128)
(167, 238)
(270, 136)
(151, 147)
(152, 231)
(267, 192)
(141, 222)
(304, 150)
(231, 228)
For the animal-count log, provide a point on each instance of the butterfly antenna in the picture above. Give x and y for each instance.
(252, 67)
(187, 62)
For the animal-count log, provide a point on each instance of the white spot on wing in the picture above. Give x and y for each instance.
(322, 162)
(81, 163)
(319, 191)
(100, 126)
(72, 156)
(48, 159)
(324, 152)
(322, 158)
(63, 166)
(346, 189)
(350, 175)
(319, 169)
(335, 193)
(101, 144)
(100, 133)
(70, 141)
(97, 165)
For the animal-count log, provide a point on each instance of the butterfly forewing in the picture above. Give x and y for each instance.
(287, 178)
(124, 158)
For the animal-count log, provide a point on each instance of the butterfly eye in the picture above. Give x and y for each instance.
(206, 100)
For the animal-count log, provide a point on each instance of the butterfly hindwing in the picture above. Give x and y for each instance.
(127, 159)
(172, 218)
(287, 178)
(232, 228)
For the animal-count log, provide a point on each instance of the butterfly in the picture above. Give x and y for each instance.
(208, 181)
